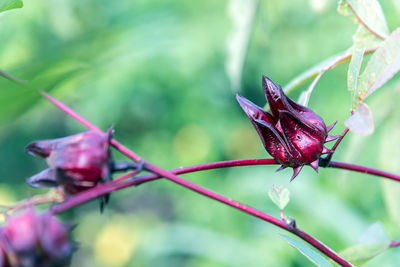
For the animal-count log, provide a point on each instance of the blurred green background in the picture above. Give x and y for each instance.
(164, 73)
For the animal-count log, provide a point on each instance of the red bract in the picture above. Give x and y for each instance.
(30, 239)
(292, 134)
(76, 162)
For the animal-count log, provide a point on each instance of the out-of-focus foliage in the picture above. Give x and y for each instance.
(371, 243)
(156, 70)
(10, 4)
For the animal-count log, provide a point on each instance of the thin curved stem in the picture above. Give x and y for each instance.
(324, 162)
(394, 244)
(13, 78)
(122, 182)
(85, 122)
(363, 169)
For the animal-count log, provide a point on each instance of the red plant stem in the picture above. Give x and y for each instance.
(85, 122)
(333, 149)
(363, 169)
(394, 244)
(249, 210)
(340, 139)
(125, 176)
(250, 162)
(114, 185)
(201, 190)
(107, 188)
(121, 182)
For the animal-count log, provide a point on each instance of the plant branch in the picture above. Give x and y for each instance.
(52, 196)
(324, 162)
(394, 244)
(204, 191)
(107, 188)
(82, 120)
(363, 169)
(122, 182)
(13, 78)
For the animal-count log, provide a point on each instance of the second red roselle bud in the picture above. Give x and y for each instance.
(31, 239)
(76, 162)
(293, 134)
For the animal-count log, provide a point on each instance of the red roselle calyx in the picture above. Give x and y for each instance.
(292, 134)
(31, 239)
(76, 162)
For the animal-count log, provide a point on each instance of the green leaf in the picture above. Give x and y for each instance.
(307, 251)
(363, 38)
(372, 243)
(344, 9)
(279, 195)
(353, 72)
(362, 253)
(10, 4)
(383, 64)
(370, 14)
(361, 120)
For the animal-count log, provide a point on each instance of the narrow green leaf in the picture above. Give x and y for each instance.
(362, 253)
(305, 95)
(10, 4)
(383, 64)
(370, 14)
(353, 72)
(307, 251)
(279, 195)
(361, 120)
